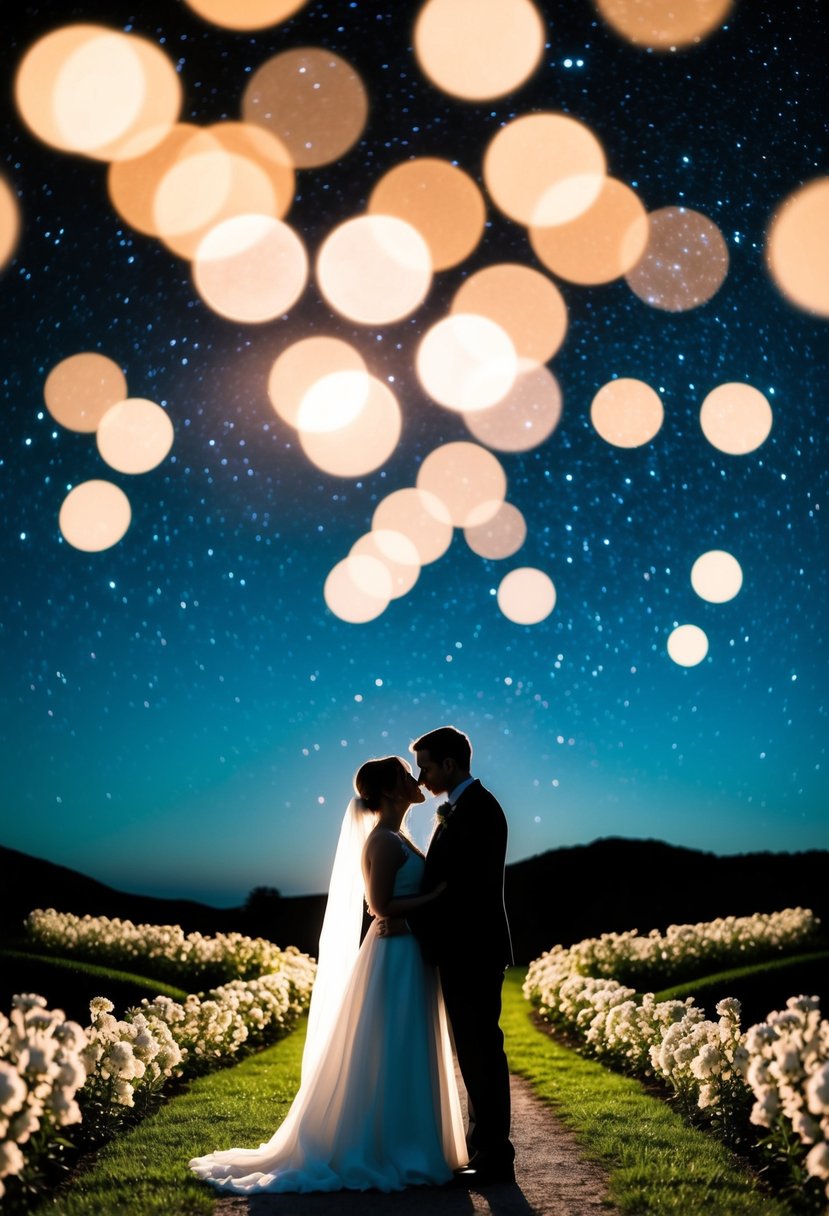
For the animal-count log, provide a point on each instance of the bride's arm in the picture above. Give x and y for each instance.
(382, 859)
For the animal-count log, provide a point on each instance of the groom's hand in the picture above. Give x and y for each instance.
(392, 926)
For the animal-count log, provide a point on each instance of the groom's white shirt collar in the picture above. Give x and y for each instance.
(458, 790)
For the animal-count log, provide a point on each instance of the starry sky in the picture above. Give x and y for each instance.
(183, 715)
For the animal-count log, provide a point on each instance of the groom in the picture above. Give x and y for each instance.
(465, 931)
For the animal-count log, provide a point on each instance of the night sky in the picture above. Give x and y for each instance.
(183, 715)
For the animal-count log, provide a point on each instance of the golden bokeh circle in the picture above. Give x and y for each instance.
(500, 536)
(251, 268)
(94, 516)
(397, 552)
(438, 199)
(525, 417)
(245, 14)
(627, 412)
(419, 515)
(716, 576)
(312, 99)
(526, 596)
(80, 389)
(304, 364)
(603, 243)
(523, 301)
(466, 362)
(688, 645)
(135, 435)
(468, 479)
(736, 418)
(374, 269)
(365, 442)
(358, 589)
(661, 26)
(478, 49)
(797, 247)
(685, 261)
(9, 222)
(544, 169)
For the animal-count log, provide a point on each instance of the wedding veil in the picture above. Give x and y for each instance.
(340, 936)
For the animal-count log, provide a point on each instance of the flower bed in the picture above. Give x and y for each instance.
(782, 1063)
(55, 1073)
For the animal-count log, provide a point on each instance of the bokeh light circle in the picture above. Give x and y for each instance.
(466, 362)
(526, 595)
(544, 169)
(478, 49)
(438, 199)
(94, 516)
(627, 412)
(398, 554)
(374, 269)
(736, 418)
(523, 301)
(421, 516)
(797, 247)
(80, 389)
(525, 417)
(685, 261)
(688, 645)
(716, 576)
(245, 14)
(304, 364)
(97, 92)
(334, 401)
(500, 536)
(603, 243)
(312, 99)
(358, 589)
(661, 26)
(366, 442)
(9, 222)
(468, 479)
(250, 268)
(135, 435)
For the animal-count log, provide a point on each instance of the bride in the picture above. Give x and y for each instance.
(378, 1105)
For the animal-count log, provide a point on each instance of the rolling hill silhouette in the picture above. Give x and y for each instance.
(559, 896)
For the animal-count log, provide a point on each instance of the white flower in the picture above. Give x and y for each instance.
(11, 1159)
(807, 1128)
(817, 1090)
(817, 1161)
(12, 1089)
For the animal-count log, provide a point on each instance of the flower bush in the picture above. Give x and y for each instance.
(170, 951)
(41, 1070)
(713, 1066)
(54, 1073)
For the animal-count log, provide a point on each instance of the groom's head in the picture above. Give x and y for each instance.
(443, 757)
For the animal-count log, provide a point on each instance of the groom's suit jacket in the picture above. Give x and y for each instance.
(468, 921)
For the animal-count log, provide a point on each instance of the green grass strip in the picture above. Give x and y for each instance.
(706, 983)
(144, 1172)
(153, 987)
(656, 1164)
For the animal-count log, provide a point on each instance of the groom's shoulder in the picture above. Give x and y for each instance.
(484, 796)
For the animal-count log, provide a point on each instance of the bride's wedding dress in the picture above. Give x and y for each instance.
(379, 1108)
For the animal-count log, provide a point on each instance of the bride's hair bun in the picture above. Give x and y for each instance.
(375, 778)
(360, 804)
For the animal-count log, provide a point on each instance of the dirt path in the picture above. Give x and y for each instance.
(552, 1179)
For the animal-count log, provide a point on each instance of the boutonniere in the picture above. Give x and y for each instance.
(444, 812)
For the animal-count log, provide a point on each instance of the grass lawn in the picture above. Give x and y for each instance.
(69, 984)
(760, 987)
(144, 1172)
(655, 1162)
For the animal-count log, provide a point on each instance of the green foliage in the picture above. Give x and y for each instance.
(70, 984)
(759, 987)
(656, 1163)
(144, 1172)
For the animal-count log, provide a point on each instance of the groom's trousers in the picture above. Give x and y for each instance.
(472, 993)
